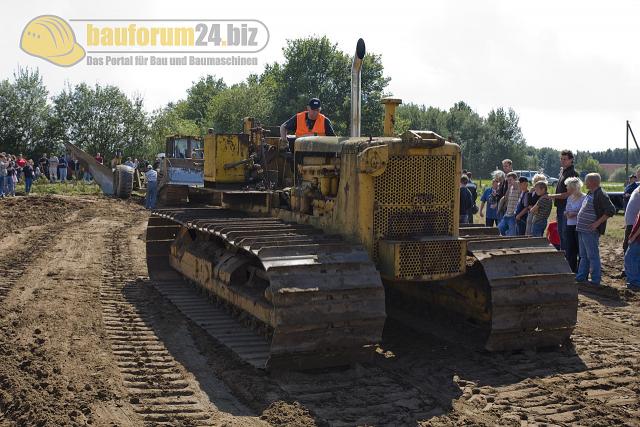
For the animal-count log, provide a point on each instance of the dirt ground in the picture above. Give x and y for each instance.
(86, 340)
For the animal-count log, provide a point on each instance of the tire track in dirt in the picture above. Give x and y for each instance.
(17, 259)
(158, 391)
(39, 341)
(616, 305)
(597, 382)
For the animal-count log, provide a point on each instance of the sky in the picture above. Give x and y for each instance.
(568, 68)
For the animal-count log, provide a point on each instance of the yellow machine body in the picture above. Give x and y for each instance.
(398, 197)
(224, 154)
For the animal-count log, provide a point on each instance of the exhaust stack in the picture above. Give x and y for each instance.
(356, 96)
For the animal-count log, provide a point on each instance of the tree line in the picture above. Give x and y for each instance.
(102, 118)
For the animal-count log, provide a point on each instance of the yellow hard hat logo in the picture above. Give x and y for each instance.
(51, 38)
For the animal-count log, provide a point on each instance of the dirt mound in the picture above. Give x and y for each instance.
(22, 212)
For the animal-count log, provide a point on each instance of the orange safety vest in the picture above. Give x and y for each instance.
(303, 130)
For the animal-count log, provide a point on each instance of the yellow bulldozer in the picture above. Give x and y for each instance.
(301, 245)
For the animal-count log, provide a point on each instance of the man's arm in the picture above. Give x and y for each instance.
(288, 126)
(561, 196)
(328, 129)
(609, 210)
(633, 237)
(594, 225)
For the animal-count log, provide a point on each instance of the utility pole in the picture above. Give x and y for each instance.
(635, 141)
(626, 173)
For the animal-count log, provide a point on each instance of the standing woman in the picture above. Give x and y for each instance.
(11, 179)
(574, 202)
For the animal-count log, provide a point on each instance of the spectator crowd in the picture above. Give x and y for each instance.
(53, 168)
(518, 207)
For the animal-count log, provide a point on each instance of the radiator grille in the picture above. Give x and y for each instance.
(418, 259)
(415, 195)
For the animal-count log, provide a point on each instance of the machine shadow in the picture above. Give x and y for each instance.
(453, 358)
(364, 393)
(170, 328)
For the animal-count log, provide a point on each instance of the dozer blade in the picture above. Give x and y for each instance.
(317, 300)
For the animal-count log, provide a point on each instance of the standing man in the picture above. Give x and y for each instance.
(507, 224)
(523, 206)
(591, 224)
(633, 184)
(27, 170)
(630, 215)
(560, 198)
(507, 167)
(466, 200)
(3, 173)
(44, 165)
(308, 123)
(53, 168)
(62, 169)
(632, 257)
(152, 187)
(473, 188)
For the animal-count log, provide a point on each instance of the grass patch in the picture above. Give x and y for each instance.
(70, 188)
(612, 186)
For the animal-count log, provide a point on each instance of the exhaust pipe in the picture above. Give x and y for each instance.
(356, 97)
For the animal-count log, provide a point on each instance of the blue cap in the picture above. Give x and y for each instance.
(314, 103)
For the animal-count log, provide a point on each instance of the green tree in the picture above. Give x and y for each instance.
(588, 164)
(169, 121)
(252, 98)
(549, 160)
(24, 113)
(503, 139)
(465, 127)
(199, 96)
(101, 119)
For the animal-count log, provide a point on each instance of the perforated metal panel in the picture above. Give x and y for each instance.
(415, 194)
(419, 259)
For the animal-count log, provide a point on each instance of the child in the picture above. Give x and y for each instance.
(490, 198)
(541, 210)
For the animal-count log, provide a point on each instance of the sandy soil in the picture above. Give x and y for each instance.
(86, 340)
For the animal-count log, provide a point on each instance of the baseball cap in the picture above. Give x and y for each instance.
(149, 167)
(314, 103)
(632, 176)
(51, 38)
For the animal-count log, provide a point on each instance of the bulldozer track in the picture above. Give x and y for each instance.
(318, 298)
(157, 389)
(216, 321)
